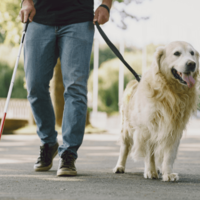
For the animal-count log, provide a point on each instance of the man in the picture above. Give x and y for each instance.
(64, 29)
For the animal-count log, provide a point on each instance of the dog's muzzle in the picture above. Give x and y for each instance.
(185, 78)
(190, 67)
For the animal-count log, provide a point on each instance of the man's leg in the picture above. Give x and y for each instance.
(75, 45)
(40, 57)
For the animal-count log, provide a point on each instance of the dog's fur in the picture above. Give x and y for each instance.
(156, 110)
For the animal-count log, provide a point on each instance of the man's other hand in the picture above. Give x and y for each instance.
(101, 15)
(27, 11)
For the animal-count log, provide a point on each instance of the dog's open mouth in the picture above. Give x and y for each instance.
(184, 78)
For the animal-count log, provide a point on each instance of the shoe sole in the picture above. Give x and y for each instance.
(66, 173)
(47, 167)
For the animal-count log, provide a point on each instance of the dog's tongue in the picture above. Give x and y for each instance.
(189, 80)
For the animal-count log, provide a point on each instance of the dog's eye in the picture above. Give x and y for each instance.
(192, 53)
(177, 53)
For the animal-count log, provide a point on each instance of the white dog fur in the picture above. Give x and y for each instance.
(156, 110)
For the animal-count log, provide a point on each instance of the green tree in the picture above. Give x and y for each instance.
(5, 76)
(108, 76)
(5, 79)
(10, 24)
(10, 34)
(104, 55)
(122, 13)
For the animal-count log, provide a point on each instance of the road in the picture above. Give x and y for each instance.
(95, 180)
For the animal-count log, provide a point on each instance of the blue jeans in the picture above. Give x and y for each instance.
(42, 47)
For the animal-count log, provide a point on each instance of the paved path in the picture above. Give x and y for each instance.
(95, 180)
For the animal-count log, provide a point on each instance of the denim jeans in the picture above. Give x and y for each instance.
(42, 47)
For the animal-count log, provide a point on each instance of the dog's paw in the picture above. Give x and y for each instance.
(118, 169)
(170, 177)
(151, 174)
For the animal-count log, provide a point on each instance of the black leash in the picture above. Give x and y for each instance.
(116, 52)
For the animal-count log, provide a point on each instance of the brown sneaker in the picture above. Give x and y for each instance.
(66, 165)
(47, 154)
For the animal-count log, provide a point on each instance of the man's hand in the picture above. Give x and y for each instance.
(27, 11)
(101, 14)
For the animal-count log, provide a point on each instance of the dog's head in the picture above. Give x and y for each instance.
(178, 61)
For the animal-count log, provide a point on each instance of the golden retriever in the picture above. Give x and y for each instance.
(156, 110)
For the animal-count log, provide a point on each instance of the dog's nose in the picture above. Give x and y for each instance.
(190, 66)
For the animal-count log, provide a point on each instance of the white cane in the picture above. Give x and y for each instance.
(13, 79)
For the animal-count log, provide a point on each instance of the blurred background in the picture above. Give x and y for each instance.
(136, 27)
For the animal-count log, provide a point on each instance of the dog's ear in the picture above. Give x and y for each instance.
(157, 57)
(197, 55)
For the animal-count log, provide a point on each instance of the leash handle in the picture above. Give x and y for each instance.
(116, 52)
(26, 25)
(24, 30)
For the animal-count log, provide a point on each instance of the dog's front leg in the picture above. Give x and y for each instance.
(124, 150)
(150, 168)
(168, 161)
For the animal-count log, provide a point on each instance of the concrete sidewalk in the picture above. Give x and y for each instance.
(95, 180)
